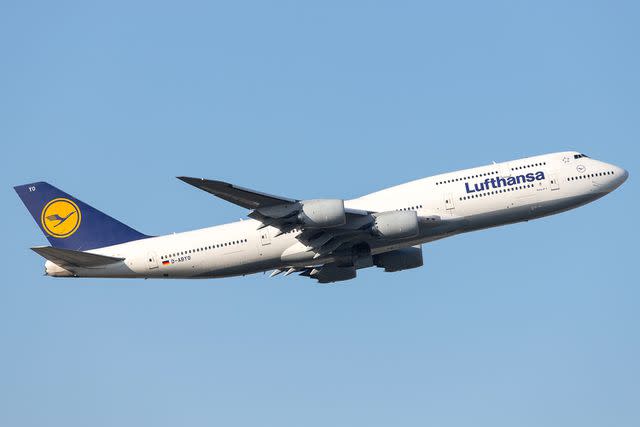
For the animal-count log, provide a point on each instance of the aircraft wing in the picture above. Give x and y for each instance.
(352, 226)
(267, 208)
(283, 213)
(240, 196)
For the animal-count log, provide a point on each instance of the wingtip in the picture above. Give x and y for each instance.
(188, 179)
(197, 181)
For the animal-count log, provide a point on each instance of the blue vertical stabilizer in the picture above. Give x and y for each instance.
(68, 223)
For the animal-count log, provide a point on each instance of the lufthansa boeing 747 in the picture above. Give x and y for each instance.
(325, 239)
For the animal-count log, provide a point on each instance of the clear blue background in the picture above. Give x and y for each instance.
(528, 325)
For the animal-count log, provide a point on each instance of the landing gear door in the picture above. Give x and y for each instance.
(152, 260)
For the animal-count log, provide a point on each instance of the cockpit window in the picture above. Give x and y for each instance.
(579, 156)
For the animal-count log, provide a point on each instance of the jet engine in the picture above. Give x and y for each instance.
(395, 224)
(332, 273)
(322, 213)
(400, 259)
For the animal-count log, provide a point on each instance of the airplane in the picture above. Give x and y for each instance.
(325, 239)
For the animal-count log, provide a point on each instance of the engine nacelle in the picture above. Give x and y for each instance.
(400, 259)
(322, 213)
(396, 224)
(332, 273)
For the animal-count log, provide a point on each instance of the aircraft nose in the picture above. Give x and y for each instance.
(620, 176)
(625, 175)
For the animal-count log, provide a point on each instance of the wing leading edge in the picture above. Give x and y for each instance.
(249, 199)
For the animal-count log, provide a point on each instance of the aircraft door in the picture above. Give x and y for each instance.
(152, 260)
(264, 237)
(448, 202)
(505, 170)
(554, 184)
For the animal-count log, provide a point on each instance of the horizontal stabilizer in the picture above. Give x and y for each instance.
(67, 257)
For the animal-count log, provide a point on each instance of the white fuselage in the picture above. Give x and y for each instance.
(464, 200)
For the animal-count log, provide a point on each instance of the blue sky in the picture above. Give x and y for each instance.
(532, 324)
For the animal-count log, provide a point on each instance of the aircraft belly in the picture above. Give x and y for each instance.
(522, 210)
(117, 270)
(248, 261)
(527, 210)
